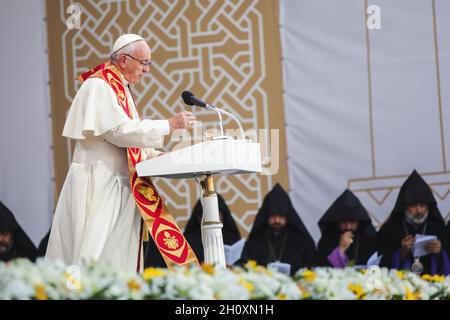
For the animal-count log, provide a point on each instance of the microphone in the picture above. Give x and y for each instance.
(190, 99)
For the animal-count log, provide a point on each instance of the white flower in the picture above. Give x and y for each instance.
(21, 279)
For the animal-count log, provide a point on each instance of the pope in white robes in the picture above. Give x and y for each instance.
(96, 218)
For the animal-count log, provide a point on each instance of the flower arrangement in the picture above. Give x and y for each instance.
(22, 279)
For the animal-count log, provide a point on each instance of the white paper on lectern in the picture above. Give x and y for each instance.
(280, 267)
(421, 242)
(233, 252)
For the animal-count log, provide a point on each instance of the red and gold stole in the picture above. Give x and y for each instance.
(162, 226)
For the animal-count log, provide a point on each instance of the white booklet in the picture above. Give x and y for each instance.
(280, 267)
(374, 260)
(233, 253)
(421, 242)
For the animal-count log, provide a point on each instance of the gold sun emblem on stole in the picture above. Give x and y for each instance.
(171, 242)
(147, 193)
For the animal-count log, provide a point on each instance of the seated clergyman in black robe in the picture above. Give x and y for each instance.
(152, 256)
(42, 248)
(448, 237)
(415, 213)
(14, 243)
(192, 232)
(279, 235)
(348, 235)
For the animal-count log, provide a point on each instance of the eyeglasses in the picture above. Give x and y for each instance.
(144, 63)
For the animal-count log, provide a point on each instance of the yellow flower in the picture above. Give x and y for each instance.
(400, 274)
(305, 292)
(261, 269)
(251, 264)
(281, 296)
(309, 275)
(357, 289)
(208, 268)
(150, 273)
(133, 285)
(426, 277)
(435, 278)
(438, 278)
(410, 295)
(39, 292)
(248, 285)
(72, 283)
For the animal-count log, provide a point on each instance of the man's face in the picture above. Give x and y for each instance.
(417, 211)
(132, 69)
(277, 222)
(348, 226)
(6, 242)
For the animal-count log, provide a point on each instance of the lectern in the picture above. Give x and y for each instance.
(223, 156)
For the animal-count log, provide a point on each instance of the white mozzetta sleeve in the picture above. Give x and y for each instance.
(94, 111)
(138, 133)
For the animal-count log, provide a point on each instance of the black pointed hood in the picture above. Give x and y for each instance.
(415, 190)
(24, 247)
(346, 207)
(277, 201)
(394, 229)
(192, 231)
(230, 230)
(293, 244)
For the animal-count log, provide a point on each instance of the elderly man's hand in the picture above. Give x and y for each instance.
(182, 120)
(408, 243)
(433, 246)
(345, 241)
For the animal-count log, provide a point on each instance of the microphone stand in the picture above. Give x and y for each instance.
(211, 227)
(212, 108)
(232, 116)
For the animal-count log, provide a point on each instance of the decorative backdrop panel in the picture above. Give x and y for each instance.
(226, 52)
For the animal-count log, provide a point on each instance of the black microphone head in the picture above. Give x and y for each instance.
(187, 95)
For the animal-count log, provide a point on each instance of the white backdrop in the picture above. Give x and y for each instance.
(364, 108)
(26, 166)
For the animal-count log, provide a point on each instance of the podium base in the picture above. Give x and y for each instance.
(211, 228)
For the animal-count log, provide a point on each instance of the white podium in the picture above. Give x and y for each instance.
(205, 159)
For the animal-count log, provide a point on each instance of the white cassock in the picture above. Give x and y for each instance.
(96, 217)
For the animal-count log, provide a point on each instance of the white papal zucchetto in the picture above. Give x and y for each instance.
(124, 40)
